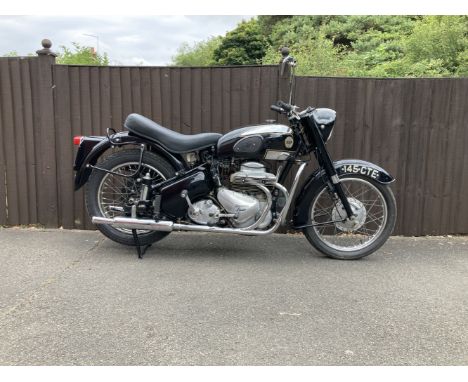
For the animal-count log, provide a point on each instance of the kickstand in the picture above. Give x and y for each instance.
(140, 251)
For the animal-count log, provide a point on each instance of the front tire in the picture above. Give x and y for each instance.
(375, 209)
(104, 190)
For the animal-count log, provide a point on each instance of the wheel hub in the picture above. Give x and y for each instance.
(353, 224)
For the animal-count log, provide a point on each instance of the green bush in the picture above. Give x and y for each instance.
(376, 46)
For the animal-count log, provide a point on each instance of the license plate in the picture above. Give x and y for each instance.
(359, 169)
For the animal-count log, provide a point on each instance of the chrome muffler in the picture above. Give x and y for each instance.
(131, 223)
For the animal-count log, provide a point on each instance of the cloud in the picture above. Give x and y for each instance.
(151, 40)
(129, 39)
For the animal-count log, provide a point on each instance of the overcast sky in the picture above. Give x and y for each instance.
(150, 40)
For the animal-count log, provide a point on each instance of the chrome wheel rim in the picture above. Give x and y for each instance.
(328, 216)
(116, 191)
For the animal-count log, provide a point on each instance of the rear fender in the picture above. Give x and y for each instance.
(91, 148)
(318, 178)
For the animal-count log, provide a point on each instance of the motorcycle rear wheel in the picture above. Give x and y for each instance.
(105, 191)
(374, 206)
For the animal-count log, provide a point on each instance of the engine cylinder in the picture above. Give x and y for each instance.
(252, 172)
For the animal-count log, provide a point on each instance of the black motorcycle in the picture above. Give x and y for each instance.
(163, 181)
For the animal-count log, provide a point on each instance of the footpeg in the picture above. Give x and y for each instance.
(116, 209)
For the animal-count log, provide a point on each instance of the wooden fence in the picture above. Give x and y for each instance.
(28, 182)
(415, 128)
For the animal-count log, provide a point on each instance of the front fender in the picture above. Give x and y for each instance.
(342, 167)
(83, 170)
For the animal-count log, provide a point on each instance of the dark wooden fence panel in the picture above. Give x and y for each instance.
(415, 128)
(18, 154)
(45, 141)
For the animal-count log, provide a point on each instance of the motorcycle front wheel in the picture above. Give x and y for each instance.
(336, 236)
(110, 195)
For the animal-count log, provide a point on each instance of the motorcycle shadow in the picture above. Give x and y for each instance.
(283, 248)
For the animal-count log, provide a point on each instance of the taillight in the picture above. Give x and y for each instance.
(77, 140)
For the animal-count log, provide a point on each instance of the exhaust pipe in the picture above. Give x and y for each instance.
(131, 223)
(168, 226)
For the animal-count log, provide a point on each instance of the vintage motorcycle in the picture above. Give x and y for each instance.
(158, 181)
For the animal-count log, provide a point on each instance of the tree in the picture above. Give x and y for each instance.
(376, 46)
(442, 39)
(316, 57)
(380, 46)
(267, 23)
(199, 54)
(12, 53)
(293, 31)
(364, 33)
(462, 70)
(78, 55)
(434, 46)
(245, 45)
(81, 55)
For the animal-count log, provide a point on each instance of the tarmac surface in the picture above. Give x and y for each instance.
(76, 298)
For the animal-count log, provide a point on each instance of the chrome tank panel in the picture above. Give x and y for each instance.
(264, 129)
(251, 142)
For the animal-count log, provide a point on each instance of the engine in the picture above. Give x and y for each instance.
(246, 199)
(251, 182)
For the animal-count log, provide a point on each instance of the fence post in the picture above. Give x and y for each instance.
(45, 137)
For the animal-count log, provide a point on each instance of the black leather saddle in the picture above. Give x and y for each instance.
(170, 140)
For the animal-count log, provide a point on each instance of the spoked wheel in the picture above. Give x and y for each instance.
(336, 236)
(111, 195)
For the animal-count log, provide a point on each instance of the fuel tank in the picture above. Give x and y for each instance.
(268, 141)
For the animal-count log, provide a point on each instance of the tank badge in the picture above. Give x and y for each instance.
(289, 142)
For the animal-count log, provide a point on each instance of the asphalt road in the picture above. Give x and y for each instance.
(75, 298)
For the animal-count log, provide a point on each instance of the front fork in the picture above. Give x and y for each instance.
(325, 161)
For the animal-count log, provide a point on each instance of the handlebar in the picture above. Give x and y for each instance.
(281, 107)
(285, 106)
(277, 109)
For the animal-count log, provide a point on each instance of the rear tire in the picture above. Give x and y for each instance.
(119, 160)
(324, 238)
